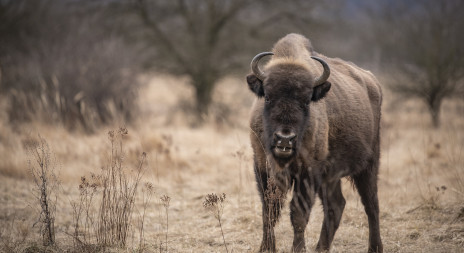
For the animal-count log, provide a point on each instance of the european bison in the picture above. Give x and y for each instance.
(308, 130)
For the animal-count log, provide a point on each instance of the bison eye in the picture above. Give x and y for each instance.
(267, 100)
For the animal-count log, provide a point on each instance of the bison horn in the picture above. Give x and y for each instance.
(325, 75)
(254, 65)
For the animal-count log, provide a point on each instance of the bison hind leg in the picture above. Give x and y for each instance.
(366, 183)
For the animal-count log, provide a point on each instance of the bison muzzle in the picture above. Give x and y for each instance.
(315, 120)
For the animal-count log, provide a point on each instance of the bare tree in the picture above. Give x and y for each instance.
(207, 39)
(423, 43)
(195, 50)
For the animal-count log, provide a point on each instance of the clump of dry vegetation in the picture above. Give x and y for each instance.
(43, 167)
(116, 190)
(119, 191)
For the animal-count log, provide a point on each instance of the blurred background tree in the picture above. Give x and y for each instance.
(206, 40)
(422, 48)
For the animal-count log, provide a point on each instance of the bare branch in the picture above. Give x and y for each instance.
(142, 10)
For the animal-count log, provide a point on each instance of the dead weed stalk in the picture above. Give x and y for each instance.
(215, 204)
(147, 193)
(83, 209)
(42, 166)
(165, 200)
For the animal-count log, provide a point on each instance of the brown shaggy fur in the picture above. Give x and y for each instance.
(337, 128)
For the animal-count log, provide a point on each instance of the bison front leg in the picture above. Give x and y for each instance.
(333, 204)
(272, 192)
(271, 214)
(300, 209)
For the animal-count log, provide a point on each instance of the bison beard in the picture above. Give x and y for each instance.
(310, 128)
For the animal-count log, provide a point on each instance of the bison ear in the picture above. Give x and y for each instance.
(255, 85)
(320, 91)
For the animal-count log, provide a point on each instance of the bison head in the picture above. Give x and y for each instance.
(288, 88)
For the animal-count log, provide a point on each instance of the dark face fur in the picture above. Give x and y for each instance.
(287, 91)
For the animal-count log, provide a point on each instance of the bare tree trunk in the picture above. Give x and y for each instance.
(204, 86)
(434, 105)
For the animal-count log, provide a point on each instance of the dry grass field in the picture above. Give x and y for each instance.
(421, 181)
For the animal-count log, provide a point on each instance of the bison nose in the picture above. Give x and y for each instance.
(284, 140)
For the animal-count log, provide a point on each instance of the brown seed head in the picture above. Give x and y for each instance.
(165, 199)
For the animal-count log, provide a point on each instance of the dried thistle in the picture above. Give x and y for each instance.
(148, 188)
(165, 199)
(83, 184)
(96, 181)
(111, 135)
(123, 131)
(215, 204)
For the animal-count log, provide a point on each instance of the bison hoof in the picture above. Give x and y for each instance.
(267, 247)
(322, 249)
(298, 249)
(377, 249)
